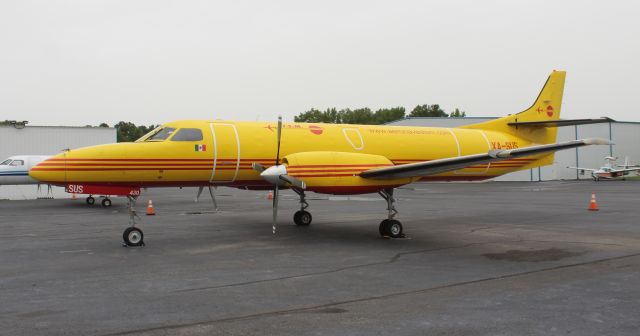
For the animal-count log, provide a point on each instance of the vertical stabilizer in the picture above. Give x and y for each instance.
(546, 107)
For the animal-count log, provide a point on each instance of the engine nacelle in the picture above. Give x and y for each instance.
(338, 172)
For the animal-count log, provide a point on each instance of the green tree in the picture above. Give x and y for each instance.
(365, 116)
(457, 114)
(128, 131)
(103, 125)
(383, 116)
(330, 115)
(362, 116)
(428, 111)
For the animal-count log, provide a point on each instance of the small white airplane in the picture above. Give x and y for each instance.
(608, 171)
(15, 169)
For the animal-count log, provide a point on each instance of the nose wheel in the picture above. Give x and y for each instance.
(132, 236)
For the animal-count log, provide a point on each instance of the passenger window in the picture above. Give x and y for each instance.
(17, 163)
(188, 134)
(162, 135)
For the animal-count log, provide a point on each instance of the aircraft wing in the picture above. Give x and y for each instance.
(626, 170)
(585, 169)
(433, 167)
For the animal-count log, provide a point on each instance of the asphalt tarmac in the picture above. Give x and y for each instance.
(498, 258)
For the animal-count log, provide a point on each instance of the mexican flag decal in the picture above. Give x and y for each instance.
(201, 148)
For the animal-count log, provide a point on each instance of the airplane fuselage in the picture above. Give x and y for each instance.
(226, 151)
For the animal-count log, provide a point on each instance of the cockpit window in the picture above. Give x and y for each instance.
(161, 135)
(17, 163)
(188, 134)
(5, 162)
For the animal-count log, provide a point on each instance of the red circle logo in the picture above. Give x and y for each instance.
(317, 130)
(550, 111)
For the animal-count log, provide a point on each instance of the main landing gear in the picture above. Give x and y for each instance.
(106, 201)
(133, 236)
(302, 217)
(390, 227)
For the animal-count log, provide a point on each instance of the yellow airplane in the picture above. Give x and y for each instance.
(323, 158)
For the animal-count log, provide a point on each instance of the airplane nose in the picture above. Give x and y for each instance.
(50, 170)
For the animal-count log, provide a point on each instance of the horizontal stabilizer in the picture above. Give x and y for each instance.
(433, 167)
(561, 123)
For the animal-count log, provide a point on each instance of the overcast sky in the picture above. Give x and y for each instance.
(85, 62)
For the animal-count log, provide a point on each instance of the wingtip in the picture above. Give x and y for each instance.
(598, 141)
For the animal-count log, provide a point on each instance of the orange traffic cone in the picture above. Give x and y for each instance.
(593, 206)
(74, 196)
(270, 196)
(150, 210)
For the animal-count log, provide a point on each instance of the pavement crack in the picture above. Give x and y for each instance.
(570, 242)
(367, 299)
(391, 260)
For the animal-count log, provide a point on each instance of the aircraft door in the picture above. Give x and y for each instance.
(226, 157)
(471, 142)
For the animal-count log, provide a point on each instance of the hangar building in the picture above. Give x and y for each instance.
(19, 139)
(625, 135)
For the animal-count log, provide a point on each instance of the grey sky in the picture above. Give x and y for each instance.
(85, 62)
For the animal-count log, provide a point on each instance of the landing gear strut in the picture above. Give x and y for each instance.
(302, 217)
(390, 227)
(133, 236)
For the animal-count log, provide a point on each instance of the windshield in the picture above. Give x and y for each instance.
(161, 134)
(5, 162)
(150, 133)
(188, 134)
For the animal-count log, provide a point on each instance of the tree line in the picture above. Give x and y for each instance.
(365, 116)
(129, 132)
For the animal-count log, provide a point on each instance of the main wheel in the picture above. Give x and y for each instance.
(302, 218)
(391, 228)
(133, 236)
(382, 227)
(90, 200)
(106, 202)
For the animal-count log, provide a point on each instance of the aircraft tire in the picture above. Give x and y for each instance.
(133, 236)
(391, 228)
(382, 226)
(106, 202)
(302, 218)
(90, 200)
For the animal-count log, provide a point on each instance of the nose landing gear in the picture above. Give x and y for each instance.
(132, 235)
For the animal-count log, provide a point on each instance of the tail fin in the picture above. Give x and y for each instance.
(546, 108)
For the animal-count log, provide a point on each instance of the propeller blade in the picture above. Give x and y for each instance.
(279, 136)
(258, 167)
(275, 208)
(293, 181)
